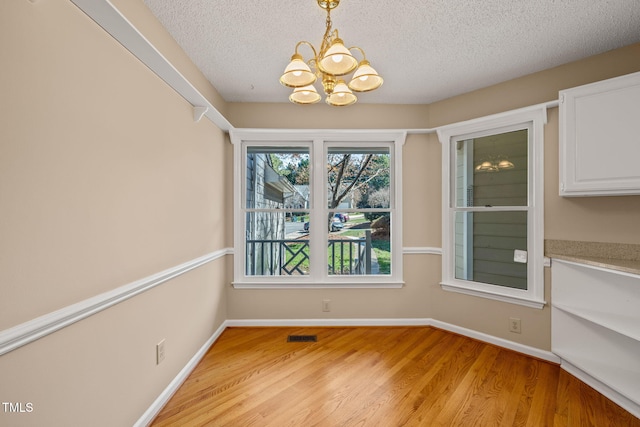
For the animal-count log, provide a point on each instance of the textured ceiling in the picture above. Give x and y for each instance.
(426, 50)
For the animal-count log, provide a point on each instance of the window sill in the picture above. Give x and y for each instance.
(319, 285)
(539, 304)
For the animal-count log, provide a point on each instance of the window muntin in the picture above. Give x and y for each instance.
(488, 215)
(320, 249)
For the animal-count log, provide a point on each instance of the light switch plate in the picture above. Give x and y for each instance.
(159, 352)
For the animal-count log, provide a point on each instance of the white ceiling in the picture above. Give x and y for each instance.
(426, 50)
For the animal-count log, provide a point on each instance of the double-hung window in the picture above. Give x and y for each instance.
(493, 207)
(317, 208)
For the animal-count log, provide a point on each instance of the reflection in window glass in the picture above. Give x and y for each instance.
(485, 244)
(492, 170)
(493, 207)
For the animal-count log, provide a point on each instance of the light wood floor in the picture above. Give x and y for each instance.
(390, 376)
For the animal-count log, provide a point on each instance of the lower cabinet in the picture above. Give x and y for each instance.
(596, 328)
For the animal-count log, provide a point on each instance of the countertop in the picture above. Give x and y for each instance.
(622, 257)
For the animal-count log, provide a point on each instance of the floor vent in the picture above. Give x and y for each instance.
(302, 338)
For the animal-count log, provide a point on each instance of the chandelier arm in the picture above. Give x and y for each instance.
(364, 57)
(304, 42)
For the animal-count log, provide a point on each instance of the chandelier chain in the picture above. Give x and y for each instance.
(326, 40)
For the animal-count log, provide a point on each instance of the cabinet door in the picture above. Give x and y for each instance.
(600, 138)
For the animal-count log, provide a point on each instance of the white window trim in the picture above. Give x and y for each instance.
(536, 116)
(317, 140)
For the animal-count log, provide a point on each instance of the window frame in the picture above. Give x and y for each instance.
(533, 119)
(318, 142)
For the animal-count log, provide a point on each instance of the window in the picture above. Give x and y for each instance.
(316, 209)
(274, 199)
(492, 207)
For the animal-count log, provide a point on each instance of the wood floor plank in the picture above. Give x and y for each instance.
(477, 398)
(382, 376)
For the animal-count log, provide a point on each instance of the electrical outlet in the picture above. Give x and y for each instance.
(515, 325)
(325, 305)
(159, 352)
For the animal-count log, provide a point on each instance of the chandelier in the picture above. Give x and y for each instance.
(494, 164)
(330, 64)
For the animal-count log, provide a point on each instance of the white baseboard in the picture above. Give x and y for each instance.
(500, 342)
(175, 384)
(520, 348)
(602, 388)
(328, 322)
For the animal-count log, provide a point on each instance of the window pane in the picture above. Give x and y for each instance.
(358, 178)
(277, 177)
(360, 245)
(275, 247)
(492, 170)
(485, 244)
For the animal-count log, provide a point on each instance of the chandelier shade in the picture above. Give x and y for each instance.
(297, 73)
(341, 95)
(305, 95)
(494, 165)
(338, 61)
(505, 164)
(331, 61)
(365, 78)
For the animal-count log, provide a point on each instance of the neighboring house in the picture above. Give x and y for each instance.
(299, 199)
(485, 241)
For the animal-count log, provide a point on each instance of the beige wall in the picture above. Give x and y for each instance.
(607, 219)
(141, 18)
(596, 219)
(604, 219)
(105, 179)
(320, 116)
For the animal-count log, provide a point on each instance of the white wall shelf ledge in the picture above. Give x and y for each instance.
(618, 323)
(625, 380)
(595, 328)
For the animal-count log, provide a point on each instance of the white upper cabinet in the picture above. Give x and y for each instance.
(600, 138)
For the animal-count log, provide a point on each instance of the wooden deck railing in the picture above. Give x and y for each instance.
(280, 257)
